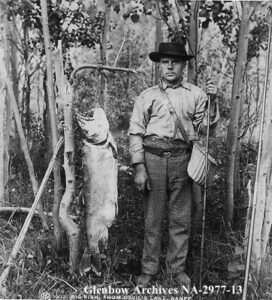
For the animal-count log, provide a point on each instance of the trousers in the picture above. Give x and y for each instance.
(170, 182)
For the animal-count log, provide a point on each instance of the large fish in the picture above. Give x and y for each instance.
(99, 186)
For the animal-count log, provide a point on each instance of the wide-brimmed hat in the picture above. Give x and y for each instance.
(176, 50)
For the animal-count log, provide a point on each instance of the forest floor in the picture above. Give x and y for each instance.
(39, 269)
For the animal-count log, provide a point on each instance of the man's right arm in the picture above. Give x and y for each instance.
(141, 178)
(137, 131)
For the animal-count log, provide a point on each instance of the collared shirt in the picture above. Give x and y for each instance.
(151, 115)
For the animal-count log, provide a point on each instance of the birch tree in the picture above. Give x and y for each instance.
(193, 38)
(236, 104)
(103, 48)
(158, 39)
(2, 129)
(70, 227)
(2, 112)
(263, 186)
(53, 124)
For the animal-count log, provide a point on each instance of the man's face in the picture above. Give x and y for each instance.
(172, 69)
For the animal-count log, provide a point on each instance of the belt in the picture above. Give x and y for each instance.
(164, 153)
(164, 143)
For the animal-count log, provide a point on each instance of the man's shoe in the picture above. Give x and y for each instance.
(183, 279)
(144, 280)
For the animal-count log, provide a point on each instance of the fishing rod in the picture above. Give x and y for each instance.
(252, 221)
(205, 185)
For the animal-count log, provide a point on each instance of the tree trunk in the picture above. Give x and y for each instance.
(15, 83)
(193, 38)
(263, 216)
(26, 87)
(158, 39)
(23, 141)
(263, 185)
(5, 113)
(53, 123)
(26, 99)
(70, 227)
(192, 78)
(46, 121)
(233, 129)
(2, 130)
(103, 51)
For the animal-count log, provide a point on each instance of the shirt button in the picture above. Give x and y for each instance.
(172, 110)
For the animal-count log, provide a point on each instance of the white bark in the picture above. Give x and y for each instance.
(70, 227)
(53, 122)
(263, 218)
(236, 103)
(2, 129)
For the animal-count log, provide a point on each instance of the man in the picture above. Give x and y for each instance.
(160, 157)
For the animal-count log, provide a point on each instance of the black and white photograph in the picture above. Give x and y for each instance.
(135, 149)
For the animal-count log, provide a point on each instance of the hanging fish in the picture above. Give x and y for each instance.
(99, 187)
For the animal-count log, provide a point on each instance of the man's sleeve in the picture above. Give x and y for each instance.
(201, 114)
(137, 129)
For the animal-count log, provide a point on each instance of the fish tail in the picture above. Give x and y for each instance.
(90, 262)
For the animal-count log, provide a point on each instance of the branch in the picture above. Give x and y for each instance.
(13, 209)
(178, 9)
(38, 66)
(108, 68)
(119, 52)
(18, 33)
(165, 21)
(24, 229)
(23, 141)
(174, 20)
(203, 47)
(62, 280)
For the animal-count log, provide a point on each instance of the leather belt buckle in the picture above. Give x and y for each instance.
(167, 154)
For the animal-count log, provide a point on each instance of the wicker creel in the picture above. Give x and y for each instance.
(196, 166)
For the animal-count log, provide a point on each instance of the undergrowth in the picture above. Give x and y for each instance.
(38, 268)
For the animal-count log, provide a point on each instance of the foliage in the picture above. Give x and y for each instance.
(67, 22)
(259, 35)
(221, 13)
(223, 261)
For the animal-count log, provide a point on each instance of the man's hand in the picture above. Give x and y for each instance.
(211, 89)
(141, 179)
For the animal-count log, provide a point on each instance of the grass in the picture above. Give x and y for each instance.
(38, 268)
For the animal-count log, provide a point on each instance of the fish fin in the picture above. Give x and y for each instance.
(90, 262)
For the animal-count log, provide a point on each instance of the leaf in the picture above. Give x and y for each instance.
(232, 267)
(239, 250)
(64, 4)
(205, 24)
(72, 27)
(64, 26)
(73, 6)
(135, 18)
(234, 275)
(117, 8)
(235, 266)
(241, 267)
